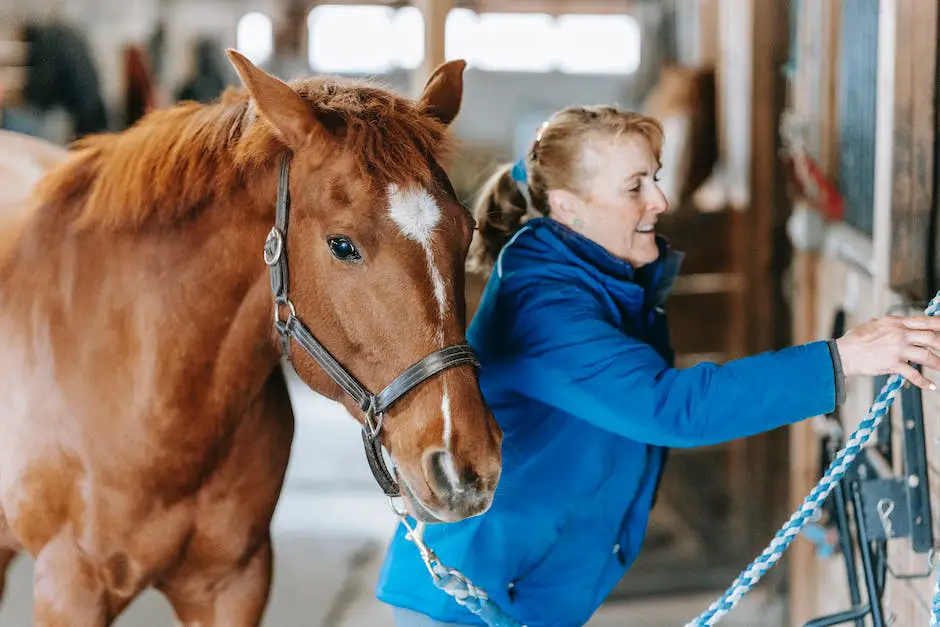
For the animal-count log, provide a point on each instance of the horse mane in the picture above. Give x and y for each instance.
(174, 161)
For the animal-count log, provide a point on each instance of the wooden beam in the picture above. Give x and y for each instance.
(829, 125)
(552, 7)
(769, 254)
(914, 137)
(802, 564)
(435, 17)
(934, 250)
(707, 32)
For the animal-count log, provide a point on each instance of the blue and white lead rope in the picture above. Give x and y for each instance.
(775, 550)
(935, 614)
(455, 583)
(478, 602)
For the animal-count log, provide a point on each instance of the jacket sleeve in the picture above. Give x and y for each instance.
(564, 353)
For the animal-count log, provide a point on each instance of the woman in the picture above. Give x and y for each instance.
(577, 369)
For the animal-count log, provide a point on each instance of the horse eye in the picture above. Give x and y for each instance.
(343, 249)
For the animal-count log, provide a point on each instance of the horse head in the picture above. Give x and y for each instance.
(376, 241)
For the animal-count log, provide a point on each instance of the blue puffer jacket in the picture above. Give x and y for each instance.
(576, 367)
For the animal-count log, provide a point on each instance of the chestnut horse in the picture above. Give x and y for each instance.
(145, 425)
(23, 161)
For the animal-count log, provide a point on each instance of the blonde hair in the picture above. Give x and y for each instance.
(553, 162)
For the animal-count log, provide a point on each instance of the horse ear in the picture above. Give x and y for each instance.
(283, 107)
(444, 91)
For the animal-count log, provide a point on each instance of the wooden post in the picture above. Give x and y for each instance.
(708, 32)
(435, 17)
(804, 451)
(912, 167)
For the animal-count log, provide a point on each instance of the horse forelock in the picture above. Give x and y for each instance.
(176, 161)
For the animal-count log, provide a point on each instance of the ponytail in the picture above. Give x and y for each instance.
(501, 209)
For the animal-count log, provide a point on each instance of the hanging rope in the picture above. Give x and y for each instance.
(778, 546)
(935, 615)
(454, 583)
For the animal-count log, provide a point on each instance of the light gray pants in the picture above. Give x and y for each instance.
(407, 618)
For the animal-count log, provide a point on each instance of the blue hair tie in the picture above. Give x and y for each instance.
(519, 173)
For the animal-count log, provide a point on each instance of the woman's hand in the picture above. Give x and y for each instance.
(886, 345)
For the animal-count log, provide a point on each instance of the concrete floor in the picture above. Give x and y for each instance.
(330, 530)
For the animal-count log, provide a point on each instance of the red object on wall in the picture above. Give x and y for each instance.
(821, 192)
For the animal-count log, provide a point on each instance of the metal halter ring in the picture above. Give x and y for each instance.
(933, 558)
(273, 246)
(277, 312)
(401, 513)
(373, 422)
(416, 536)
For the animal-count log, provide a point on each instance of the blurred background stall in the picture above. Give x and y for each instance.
(800, 156)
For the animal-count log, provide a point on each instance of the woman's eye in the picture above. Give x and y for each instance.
(343, 249)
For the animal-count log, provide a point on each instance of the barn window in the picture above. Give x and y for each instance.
(460, 35)
(535, 42)
(365, 39)
(254, 37)
(598, 44)
(502, 41)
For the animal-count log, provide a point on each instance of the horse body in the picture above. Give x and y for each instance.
(181, 438)
(23, 161)
(145, 426)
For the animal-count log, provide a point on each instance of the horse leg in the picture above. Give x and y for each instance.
(231, 596)
(66, 588)
(224, 579)
(6, 558)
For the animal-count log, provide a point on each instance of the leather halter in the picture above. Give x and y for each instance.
(292, 327)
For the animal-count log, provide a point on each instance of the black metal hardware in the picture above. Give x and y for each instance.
(915, 469)
(885, 505)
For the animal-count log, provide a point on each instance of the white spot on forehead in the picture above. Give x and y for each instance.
(415, 212)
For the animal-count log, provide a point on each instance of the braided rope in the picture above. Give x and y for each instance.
(935, 614)
(837, 469)
(455, 583)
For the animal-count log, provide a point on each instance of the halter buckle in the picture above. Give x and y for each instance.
(373, 422)
(933, 559)
(416, 536)
(273, 246)
(281, 325)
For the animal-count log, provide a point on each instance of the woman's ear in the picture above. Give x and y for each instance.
(564, 205)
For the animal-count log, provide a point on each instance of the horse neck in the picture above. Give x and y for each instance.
(249, 350)
(240, 318)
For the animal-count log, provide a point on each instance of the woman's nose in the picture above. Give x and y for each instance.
(658, 204)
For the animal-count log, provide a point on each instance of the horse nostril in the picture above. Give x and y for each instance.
(470, 477)
(440, 470)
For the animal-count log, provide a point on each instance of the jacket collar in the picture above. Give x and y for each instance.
(656, 279)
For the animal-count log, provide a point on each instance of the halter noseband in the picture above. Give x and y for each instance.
(292, 327)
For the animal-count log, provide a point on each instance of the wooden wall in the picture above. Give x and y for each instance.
(883, 154)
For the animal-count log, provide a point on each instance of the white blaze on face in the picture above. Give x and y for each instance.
(417, 214)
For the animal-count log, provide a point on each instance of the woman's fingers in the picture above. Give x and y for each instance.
(931, 323)
(928, 339)
(910, 373)
(923, 356)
